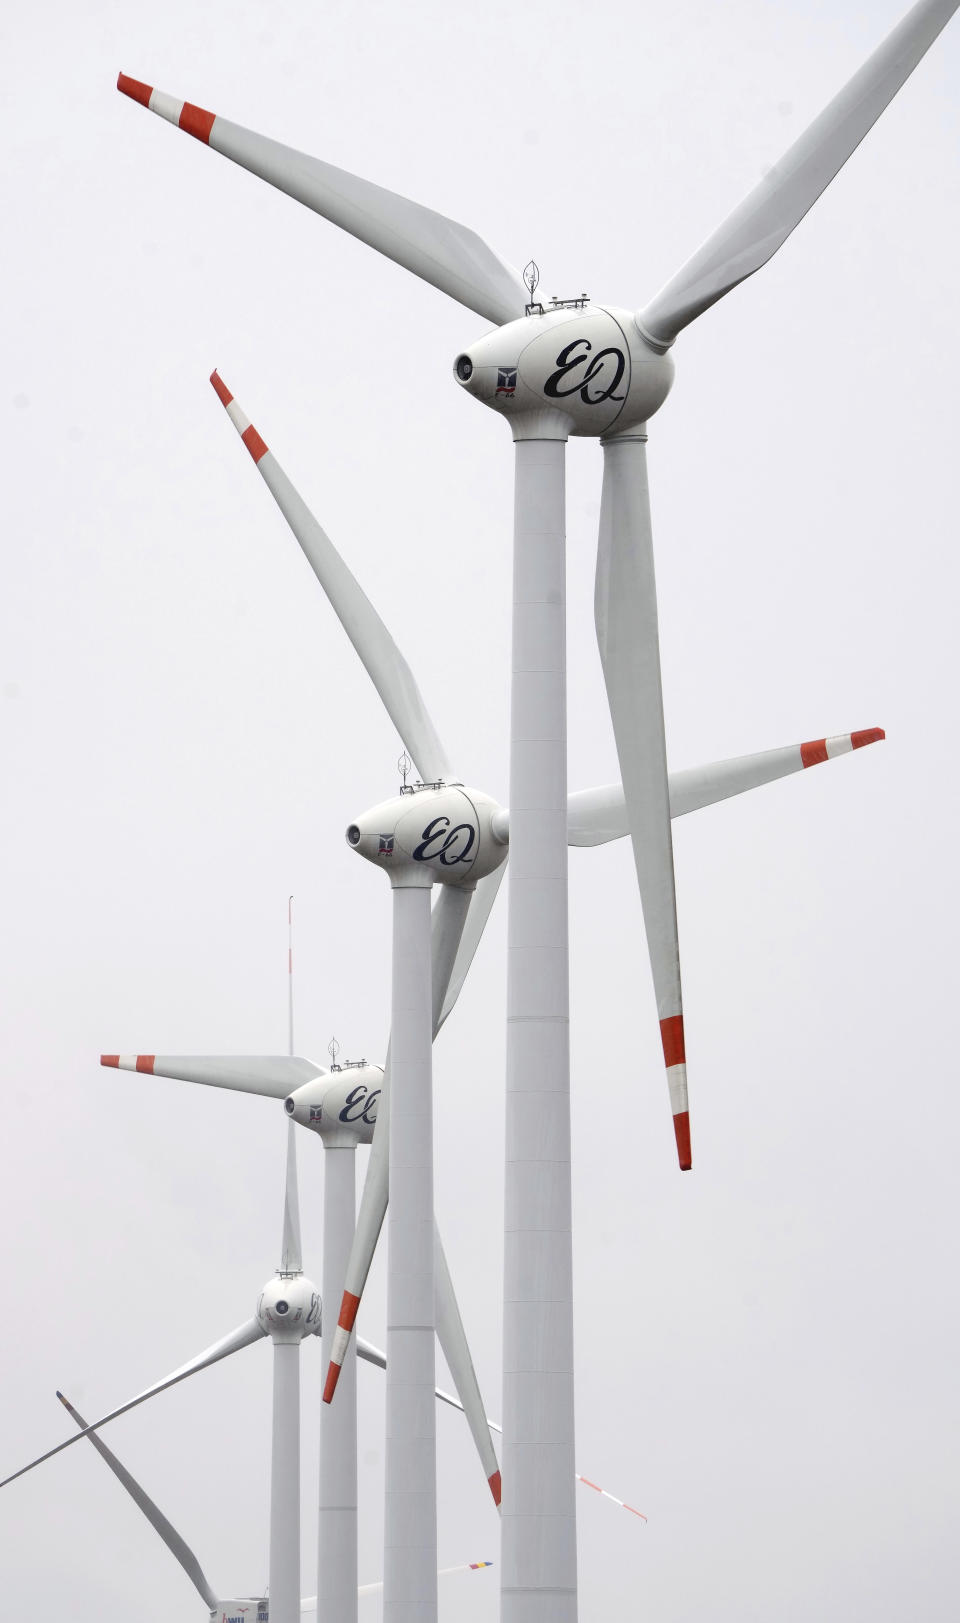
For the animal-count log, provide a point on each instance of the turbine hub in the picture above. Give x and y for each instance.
(289, 1308)
(586, 361)
(342, 1107)
(431, 833)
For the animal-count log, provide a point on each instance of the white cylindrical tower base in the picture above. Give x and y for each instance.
(539, 1538)
(410, 1512)
(337, 1563)
(285, 1486)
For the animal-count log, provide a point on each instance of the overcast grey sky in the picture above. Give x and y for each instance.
(767, 1349)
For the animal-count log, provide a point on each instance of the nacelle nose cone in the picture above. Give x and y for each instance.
(342, 1108)
(590, 363)
(440, 835)
(289, 1308)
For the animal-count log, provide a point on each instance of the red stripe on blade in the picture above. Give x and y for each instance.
(134, 89)
(671, 1035)
(197, 121)
(223, 392)
(145, 1063)
(635, 1512)
(330, 1385)
(348, 1310)
(494, 1482)
(588, 1484)
(110, 1059)
(813, 754)
(872, 735)
(254, 444)
(681, 1128)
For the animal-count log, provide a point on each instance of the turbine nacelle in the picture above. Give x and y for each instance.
(289, 1308)
(431, 833)
(341, 1107)
(587, 362)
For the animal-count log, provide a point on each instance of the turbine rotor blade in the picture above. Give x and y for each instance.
(244, 1336)
(596, 816)
(274, 1076)
(753, 232)
(440, 251)
(177, 1546)
(382, 659)
(448, 918)
(706, 785)
(483, 899)
(456, 1350)
(310, 1604)
(626, 619)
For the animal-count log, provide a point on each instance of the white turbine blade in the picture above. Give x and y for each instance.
(595, 816)
(275, 1076)
(291, 1248)
(754, 231)
(480, 907)
(456, 1350)
(310, 1604)
(177, 1546)
(626, 617)
(244, 1336)
(446, 931)
(705, 785)
(605, 1495)
(440, 251)
(382, 659)
(442, 1572)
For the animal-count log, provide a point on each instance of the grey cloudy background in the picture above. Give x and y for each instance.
(767, 1349)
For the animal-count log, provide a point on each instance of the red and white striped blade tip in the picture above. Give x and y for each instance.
(195, 121)
(681, 1129)
(827, 749)
(129, 1062)
(341, 1341)
(255, 444)
(675, 1060)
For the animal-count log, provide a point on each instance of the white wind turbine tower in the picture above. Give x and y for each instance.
(593, 817)
(591, 370)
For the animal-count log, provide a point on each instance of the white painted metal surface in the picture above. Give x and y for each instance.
(337, 1545)
(410, 1505)
(285, 1485)
(539, 1542)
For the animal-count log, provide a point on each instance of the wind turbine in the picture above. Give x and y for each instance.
(585, 369)
(341, 1106)
(248, 1608)
(288, 1310)
(594, 816)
